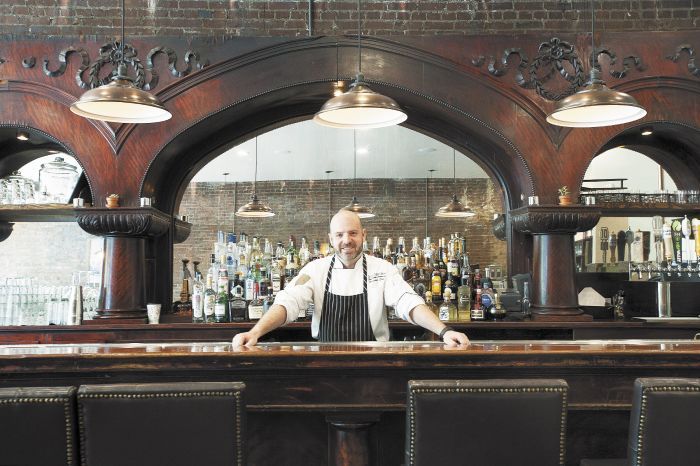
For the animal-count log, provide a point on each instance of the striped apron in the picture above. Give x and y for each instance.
(345, 318)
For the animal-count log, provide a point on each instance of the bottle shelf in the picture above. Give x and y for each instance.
(37, 213)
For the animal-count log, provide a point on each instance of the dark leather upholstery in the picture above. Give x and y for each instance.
(664, 423)
(38, 426)
(486, 422)
(173, 424)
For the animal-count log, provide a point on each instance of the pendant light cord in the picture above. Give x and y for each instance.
(454, 170)
(595, 57)
(255, 176)
(123, 40)
(359, 40)
(354, 157)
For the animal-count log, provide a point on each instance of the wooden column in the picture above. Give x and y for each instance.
(351, 440)
(123, 294)
(553, 289)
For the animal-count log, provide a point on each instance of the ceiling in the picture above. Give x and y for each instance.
(306, 150)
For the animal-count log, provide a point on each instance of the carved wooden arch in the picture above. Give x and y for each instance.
(45, 109)
(673, 145)
(240, 102)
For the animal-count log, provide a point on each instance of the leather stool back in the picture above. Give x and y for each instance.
(664, 423)
(38, 426)
(486, 422)
(174, 424)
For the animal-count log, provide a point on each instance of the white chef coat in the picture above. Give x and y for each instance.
(384, 286)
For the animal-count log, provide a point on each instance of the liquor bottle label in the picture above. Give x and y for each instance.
(197, 308)
(477, 314)
(255, 311)
(219, 310)
(444, 313)
(209, 304)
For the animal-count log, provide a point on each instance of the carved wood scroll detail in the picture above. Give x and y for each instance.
(687, 48)
(112, 54)
(499, 227)
(551, 61)
(544, 220)
(123, 222)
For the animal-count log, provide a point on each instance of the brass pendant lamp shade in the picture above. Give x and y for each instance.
(454, 208)
(355, 206)
(360, 107)
(120, 101)
(255, 208)
(596, 105)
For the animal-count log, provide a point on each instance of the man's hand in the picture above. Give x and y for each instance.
(453, 338)
(244, 339)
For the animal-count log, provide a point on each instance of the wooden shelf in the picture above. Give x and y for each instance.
(648, 210)
(37, 213)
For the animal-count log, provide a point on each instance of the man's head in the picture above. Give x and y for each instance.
(347, 236)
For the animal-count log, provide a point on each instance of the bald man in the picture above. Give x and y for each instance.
(349, 290)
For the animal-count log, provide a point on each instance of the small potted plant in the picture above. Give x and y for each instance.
(113, 201)
(564, 196)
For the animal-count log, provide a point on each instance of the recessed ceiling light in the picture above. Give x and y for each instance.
(282, 151)
(22, 135)
(647, 131)
(424, 150)
(242, 153)
(362, 151)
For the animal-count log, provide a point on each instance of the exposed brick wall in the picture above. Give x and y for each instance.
(219, 18)
(302, 209)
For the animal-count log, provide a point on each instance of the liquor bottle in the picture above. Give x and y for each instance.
(477, 311)
(431, 305)
(448, 311)
(255, 308)
(496, 312)
(197, 298)
(290, 270)
(525, 301)
(268, 253)
(365, 248)
(209, 300)
(421, 282)
(276, 275)
(389, 253)
(317, 250)
(486, 282)
(213, 268)
(242, 246)
(304, 253)
(401, 258)
(436, 283)
(428, 251)
(377, 248)
(417, 253)
(268, 301)
(184, 305)
(410, 273)
(221, 313)
(238, 306)
(464, 296)
(249, 286)
(231, 254)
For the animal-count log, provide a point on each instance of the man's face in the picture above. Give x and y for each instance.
(347, 236)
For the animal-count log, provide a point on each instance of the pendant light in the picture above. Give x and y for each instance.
(120, 101)
(360, 107)
(596, 104)
(454, 208)
(355, 206)
(255, 208)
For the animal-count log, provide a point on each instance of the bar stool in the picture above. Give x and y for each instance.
(174, 424)
(38, 426)
(663, 425)
(486, 422)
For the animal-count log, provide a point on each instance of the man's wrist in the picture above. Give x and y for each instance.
(442, 333)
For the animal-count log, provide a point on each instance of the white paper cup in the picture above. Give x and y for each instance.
(153, 313)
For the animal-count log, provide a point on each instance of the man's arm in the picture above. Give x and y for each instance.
(275, 317)
(423, 316)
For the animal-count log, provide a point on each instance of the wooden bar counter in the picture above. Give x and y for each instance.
(309, 402)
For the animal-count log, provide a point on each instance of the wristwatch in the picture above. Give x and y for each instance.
(444, 331)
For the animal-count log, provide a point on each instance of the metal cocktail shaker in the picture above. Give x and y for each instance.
(74, 313)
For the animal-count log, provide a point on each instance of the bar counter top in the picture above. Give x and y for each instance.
(301, 392)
